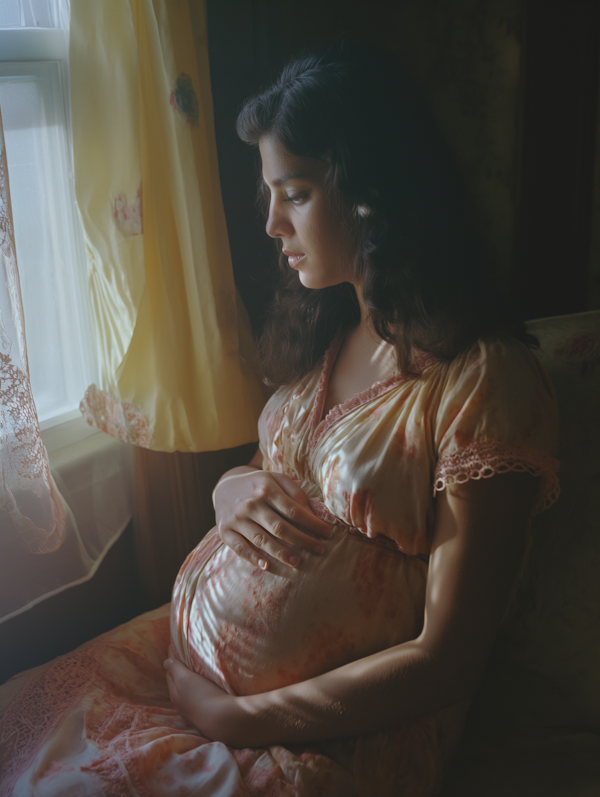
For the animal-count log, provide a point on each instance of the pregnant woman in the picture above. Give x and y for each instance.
(347, 600)
(328, 634)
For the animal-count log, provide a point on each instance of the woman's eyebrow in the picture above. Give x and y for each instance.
(286, 177)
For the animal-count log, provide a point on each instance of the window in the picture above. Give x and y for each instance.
(34, 100)
(92, 470)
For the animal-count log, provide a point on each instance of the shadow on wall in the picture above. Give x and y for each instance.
(519, 112)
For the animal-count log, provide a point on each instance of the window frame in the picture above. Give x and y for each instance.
(36, 50)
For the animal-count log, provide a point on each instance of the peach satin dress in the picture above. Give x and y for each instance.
(371, 468)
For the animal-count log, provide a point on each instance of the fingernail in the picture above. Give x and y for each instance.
(167, 662)
(293, 560)
(263, 564)
(319, 548)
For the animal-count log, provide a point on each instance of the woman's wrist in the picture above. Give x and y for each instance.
(245, 721)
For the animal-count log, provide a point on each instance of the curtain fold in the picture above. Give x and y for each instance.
(28, 496)
(178, 369)
(35, 516)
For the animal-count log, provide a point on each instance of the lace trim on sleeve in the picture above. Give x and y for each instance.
(483, 460)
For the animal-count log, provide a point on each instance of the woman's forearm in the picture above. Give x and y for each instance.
(387, 689)
(475, 558)
(476, 555)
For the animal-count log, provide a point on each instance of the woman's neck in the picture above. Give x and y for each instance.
(363, 359)
(365, 331)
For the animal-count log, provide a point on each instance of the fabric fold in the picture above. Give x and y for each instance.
(171, 328)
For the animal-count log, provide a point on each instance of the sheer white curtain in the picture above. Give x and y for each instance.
(34, 14)
(49, 539)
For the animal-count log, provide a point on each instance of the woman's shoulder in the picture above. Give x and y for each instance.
(505, 364)
(497, 408)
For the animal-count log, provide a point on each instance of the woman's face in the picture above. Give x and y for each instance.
(312, 233)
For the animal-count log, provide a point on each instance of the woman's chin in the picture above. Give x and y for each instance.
(309, 282)
(315, 281)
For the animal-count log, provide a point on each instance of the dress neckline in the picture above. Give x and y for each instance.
(318, 424)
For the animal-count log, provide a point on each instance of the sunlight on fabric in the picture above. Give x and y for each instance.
(34, 14)
(79, 510)
(38, 163)
(178, 370)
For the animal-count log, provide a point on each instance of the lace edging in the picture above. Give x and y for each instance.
(484, 460)
(37, 711)
(340, 410)
(104, 411)
(320, 427)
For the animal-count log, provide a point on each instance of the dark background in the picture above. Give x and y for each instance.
(514, 85)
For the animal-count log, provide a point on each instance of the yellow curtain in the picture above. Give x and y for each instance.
(176, 360)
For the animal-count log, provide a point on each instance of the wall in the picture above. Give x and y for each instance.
(518, 109)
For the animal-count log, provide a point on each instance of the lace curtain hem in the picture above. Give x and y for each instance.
(105, 412)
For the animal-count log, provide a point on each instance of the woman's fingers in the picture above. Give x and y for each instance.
(254, 543)
(295, 515)
(300, 517)
(289, 531)
(240, 545)
(264, 516)
(290, 487)
(288, 522)
(298, 510)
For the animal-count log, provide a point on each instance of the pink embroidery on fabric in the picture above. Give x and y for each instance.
(484, 460)
(122, 420)
(37, 711)
(316, 412)
(129, 215)
(341, 410)
(114, 729)
(581, 350)
(318, 425)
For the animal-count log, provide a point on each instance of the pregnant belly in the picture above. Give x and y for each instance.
(251, 630)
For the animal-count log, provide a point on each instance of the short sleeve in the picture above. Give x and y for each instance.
(497, 413)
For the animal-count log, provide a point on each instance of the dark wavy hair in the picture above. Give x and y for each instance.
(423, 264)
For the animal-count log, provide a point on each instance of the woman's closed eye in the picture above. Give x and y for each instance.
(297, 199)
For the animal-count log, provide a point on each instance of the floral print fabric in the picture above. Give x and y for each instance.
(369, 468)
(374, 460)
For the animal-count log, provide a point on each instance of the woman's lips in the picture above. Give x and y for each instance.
(293, 257)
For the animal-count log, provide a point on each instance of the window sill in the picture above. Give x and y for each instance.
(73, 429)
(93, 473)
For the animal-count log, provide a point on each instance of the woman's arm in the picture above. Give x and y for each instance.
(477, 550)
(262, 514)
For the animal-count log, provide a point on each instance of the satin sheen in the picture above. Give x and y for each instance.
(99, 720)
(368, 467)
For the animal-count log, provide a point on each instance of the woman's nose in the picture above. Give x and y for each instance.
(278, 226)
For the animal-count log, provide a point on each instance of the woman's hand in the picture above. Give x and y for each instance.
(262, 514)
(479, 539)
(197, 699)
